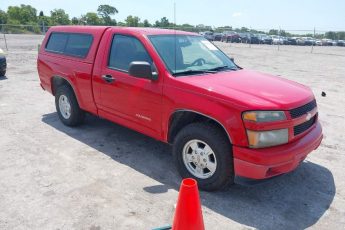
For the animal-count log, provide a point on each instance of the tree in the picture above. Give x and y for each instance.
(132, 21)
(341, 35)
(75, 21)
(187, 27)
(91, 19)
(164, 23)
(223, 28)
(3, 17)
(146, 23)
(273, 32)
(105, 11)
(44, 22)
(59, 17)
(331, 35)
(283, 33)
(244, 29)
(41, 14)
(23, 14)
(121, 24)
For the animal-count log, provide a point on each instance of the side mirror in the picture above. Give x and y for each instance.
(142, 69)
(232, 59)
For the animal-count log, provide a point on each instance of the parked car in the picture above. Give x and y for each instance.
(340, 43)
(291, 41)
(177, 87)
(218, 36)
(249, 38)
(265, 39)
(306, 41)
(209, 35)
(327, 42)
(3, 65)
(309, 41)
(318, 42)
(277, 40)
(285, 40)
(300, 41)
(243, 37)
(231, 36)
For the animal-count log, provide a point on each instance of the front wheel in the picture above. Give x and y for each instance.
(67, 106)
(203, 152)
(3, 73)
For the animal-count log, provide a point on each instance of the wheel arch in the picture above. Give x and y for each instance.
(58, 80)
(182, 117)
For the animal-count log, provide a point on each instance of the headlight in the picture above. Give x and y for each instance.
(260, 139)
(264, 116)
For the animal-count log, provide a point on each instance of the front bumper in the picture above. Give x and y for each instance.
(268, 162)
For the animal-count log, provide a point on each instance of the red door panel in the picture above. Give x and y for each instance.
(135, 101)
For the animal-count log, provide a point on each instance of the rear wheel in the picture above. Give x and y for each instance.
(203, 152)
(67, 106)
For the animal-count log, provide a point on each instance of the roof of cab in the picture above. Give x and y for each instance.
(140, 30)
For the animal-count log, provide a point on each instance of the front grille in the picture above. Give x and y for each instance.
(298, 129)
(297, 112)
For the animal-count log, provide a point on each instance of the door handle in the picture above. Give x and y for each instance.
(108, 78)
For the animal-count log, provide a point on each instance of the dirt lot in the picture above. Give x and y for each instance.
(104, 176)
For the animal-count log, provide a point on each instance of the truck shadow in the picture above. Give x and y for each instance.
(293, 201)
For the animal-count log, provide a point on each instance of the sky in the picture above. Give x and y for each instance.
(257, 14)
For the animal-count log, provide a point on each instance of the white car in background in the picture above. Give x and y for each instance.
(277, 40)
(327, 42)
(318, 42)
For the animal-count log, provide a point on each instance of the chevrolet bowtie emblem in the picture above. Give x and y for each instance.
(308, 116)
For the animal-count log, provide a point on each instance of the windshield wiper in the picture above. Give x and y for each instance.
(191, 72)
(219, 68)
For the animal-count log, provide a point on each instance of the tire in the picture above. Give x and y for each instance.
(212, 136)
(3, 73)
(66, 95)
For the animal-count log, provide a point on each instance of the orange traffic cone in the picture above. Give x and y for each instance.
(188, 215)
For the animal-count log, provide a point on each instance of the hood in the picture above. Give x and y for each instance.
(251, 89)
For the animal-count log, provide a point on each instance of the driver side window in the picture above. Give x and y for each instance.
(124, 50)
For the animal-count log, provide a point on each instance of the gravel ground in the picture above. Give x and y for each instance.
(104, 176)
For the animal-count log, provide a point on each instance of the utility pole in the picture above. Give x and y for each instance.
(279, 38)
(3, 32)
(250, 37)
(313, 43)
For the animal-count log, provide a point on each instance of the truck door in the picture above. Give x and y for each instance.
(130, 101)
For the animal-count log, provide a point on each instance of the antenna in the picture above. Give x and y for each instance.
(174, 15)
(175, 38)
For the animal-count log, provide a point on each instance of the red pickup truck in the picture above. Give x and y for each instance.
(177, 87)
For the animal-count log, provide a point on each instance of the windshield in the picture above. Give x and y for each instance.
(190, 54)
